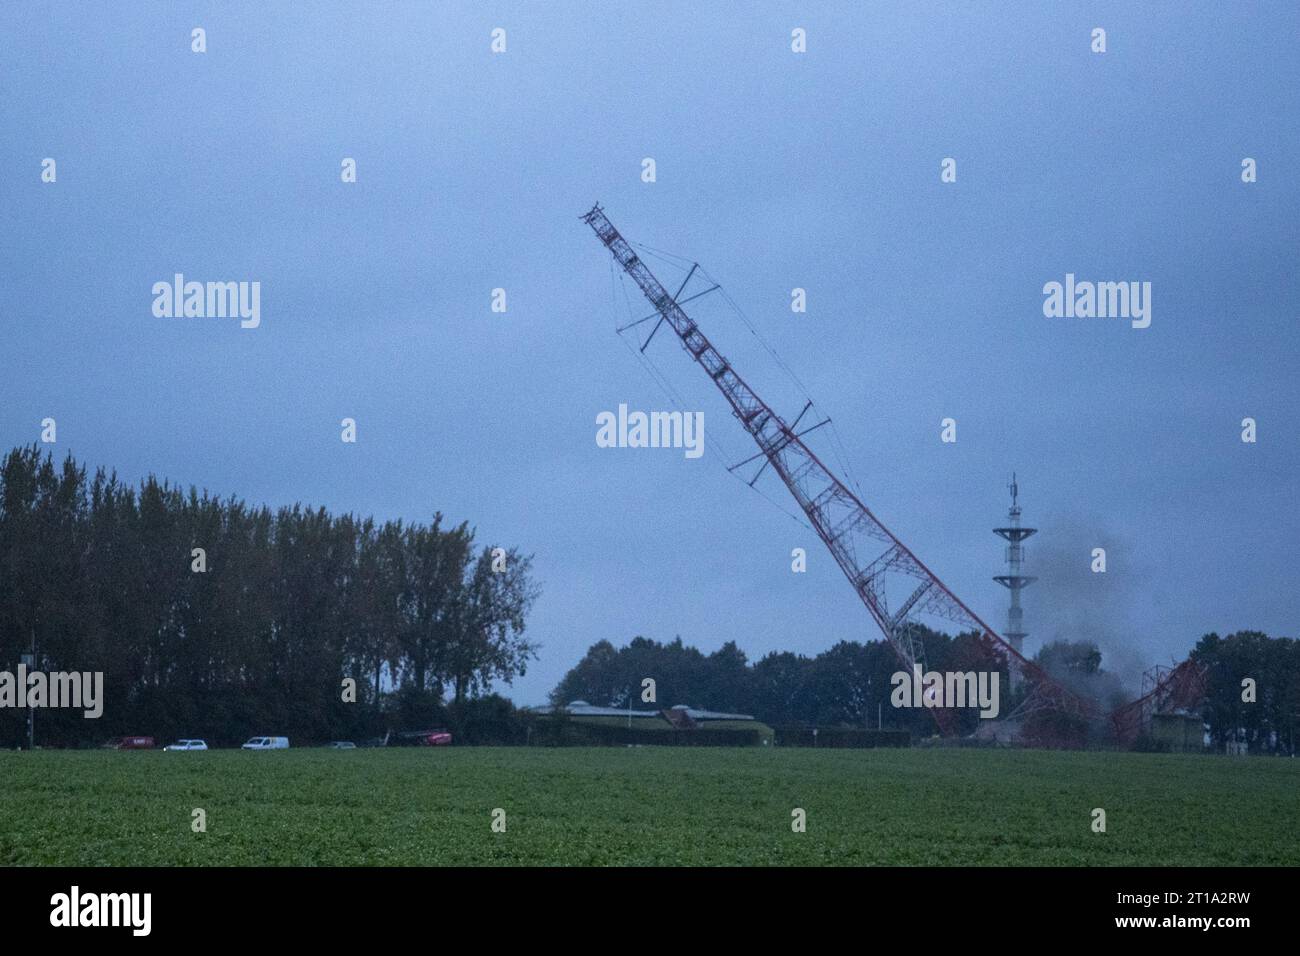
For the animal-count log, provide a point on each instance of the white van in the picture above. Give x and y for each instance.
(267, 743)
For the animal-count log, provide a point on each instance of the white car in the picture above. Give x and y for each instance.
(267, 743)
(188, 745)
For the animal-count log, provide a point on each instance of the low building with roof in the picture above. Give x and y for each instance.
(679, 717)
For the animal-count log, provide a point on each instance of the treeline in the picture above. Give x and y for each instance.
(255, 633)
(1267, 722)
(849, 685)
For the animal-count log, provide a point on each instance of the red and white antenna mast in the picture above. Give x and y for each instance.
(890, 580)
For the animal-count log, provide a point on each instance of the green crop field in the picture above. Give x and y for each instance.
(645, 806)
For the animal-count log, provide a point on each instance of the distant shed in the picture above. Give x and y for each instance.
(1179, 732)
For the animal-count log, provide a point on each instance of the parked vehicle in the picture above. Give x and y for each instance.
(130, 743)
(188, 745)
(341, 745)
(420, 738)
(267, 743)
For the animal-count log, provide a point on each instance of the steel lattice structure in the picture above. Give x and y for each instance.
(1164, 690)
(1015, 582)
(891, 581)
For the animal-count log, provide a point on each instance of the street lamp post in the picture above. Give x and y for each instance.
(29, 661)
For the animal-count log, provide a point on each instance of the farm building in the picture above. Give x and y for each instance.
(1181, 732)
(677, 724)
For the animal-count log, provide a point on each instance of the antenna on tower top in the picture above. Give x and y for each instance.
(1015, 489)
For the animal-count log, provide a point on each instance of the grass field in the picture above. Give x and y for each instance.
(645, 806)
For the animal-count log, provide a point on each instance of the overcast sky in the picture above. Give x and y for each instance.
(775, 170)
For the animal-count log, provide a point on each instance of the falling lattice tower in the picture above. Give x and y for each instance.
(889, 579)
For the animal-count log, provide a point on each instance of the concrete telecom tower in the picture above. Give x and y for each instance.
(1014, 581)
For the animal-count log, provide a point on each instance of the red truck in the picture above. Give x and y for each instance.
(419, 738)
